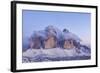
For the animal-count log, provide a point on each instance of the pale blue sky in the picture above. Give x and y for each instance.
(78, 23)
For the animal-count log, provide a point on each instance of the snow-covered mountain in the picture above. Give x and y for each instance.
(79, 52)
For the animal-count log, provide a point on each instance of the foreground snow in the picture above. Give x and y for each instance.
(55, 54)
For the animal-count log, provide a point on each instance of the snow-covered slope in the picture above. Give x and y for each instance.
(54, 54)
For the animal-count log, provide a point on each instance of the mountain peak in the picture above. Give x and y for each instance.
(65, 30)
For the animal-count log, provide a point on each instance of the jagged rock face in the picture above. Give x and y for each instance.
(70, 40)
(50, 43)
(68, 44)
(35, 42)
(52, 37)
(51, 40)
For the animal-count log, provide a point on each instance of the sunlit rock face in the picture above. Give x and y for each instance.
(68, 44)
(51, 40)
(70, 40)
(50, 43)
